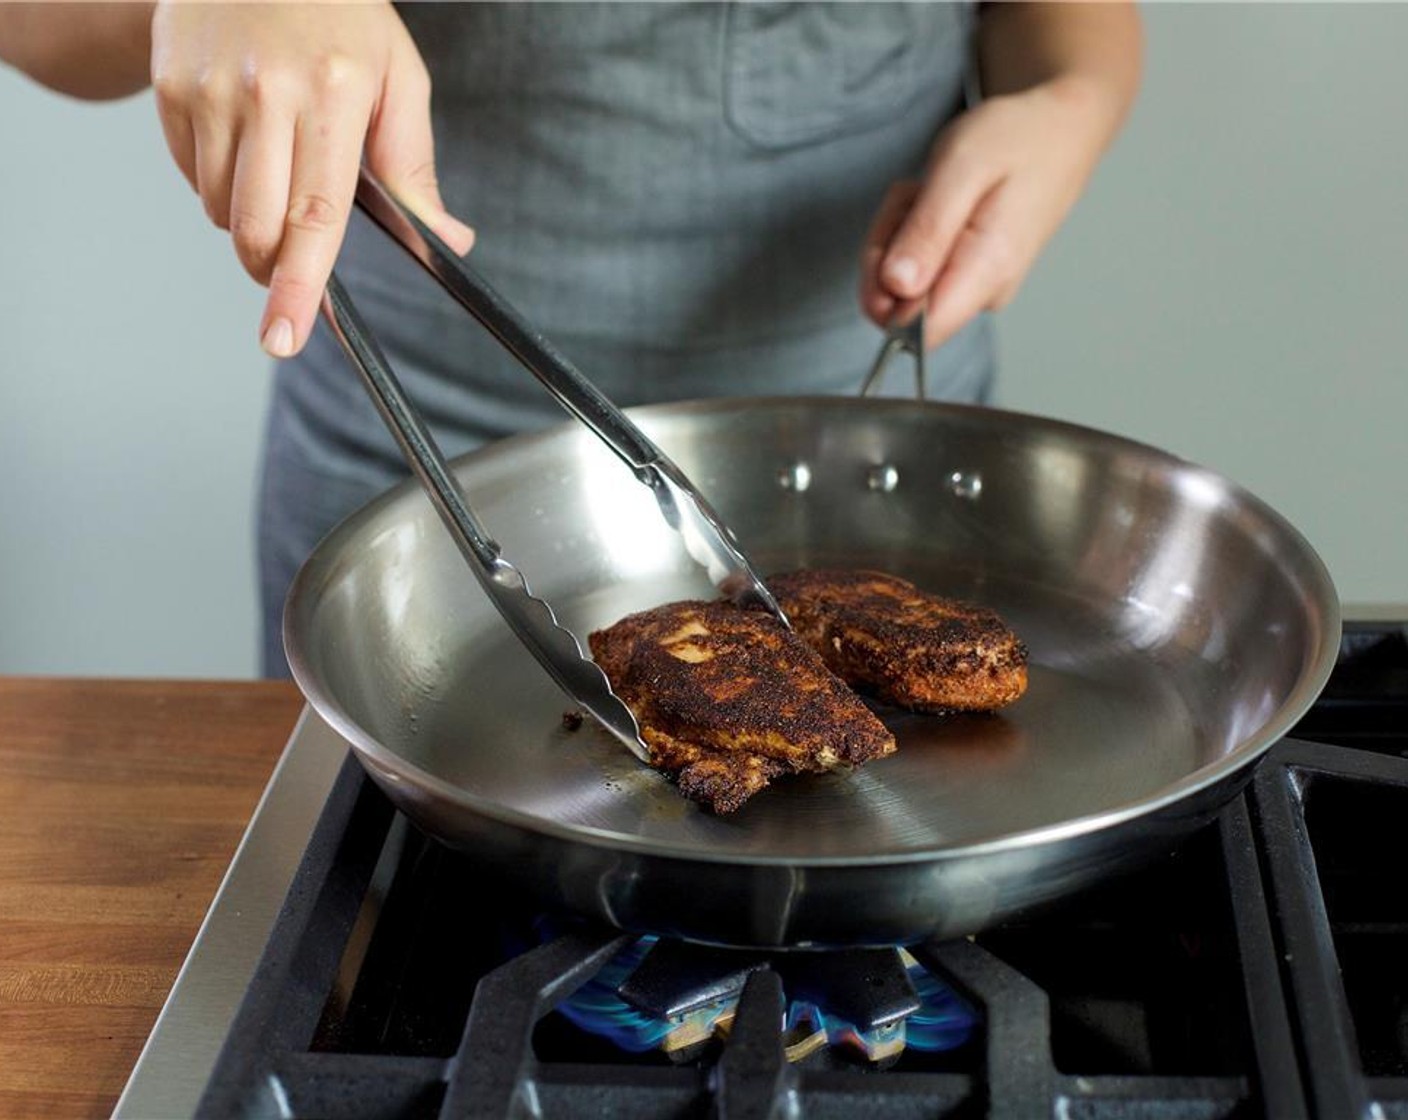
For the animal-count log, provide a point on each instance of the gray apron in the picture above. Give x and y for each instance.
(676, 193)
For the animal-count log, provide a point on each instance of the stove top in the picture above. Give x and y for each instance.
(1258, 970)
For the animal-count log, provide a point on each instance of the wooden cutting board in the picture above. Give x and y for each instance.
(123, 802)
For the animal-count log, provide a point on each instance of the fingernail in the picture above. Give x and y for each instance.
(278, 338)
(458, 233)
(903, 271)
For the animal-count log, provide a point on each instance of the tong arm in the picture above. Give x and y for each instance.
(706, 537)
(477, 296)
(532, 619)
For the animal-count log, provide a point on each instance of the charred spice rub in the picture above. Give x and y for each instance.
(904, 645)
(729, 699)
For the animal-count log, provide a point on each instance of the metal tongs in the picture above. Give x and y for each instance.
(707, 539)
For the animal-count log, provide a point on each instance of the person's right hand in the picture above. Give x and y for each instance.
(269, 108)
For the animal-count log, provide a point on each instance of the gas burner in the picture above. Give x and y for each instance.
(870, 1004)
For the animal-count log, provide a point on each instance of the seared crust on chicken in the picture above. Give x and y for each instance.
(905, 645)
(727, 699)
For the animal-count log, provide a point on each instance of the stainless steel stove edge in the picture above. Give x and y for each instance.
(180, 1053)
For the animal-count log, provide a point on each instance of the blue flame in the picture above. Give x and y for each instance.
(800, 1011)
(596, 1008)
(944, 1020)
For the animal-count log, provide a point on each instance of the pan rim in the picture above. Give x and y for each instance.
(381, 760)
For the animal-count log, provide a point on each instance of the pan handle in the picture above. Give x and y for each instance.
(907, 338)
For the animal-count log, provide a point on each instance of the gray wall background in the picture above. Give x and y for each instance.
(1231, 289)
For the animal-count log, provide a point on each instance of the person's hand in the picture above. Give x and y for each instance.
(268, 110)
(998, 183)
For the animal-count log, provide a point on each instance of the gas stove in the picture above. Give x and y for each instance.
(351, 967)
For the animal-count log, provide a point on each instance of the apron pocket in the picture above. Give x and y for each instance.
(799, 73)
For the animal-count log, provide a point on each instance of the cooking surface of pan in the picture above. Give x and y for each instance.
(1176, 627)
(956, 780)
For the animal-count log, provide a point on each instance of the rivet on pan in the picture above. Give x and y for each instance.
(796, 477)
(966, 484)
(883, 478)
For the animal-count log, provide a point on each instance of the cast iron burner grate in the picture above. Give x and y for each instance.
(391, 986)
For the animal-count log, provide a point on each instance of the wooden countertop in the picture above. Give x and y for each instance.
(123, 803)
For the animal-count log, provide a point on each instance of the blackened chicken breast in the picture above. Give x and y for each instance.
(906, 646)
(728, 699)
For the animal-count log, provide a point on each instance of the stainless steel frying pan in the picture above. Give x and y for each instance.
(1177, 627)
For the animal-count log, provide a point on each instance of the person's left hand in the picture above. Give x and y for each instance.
(999, 182)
